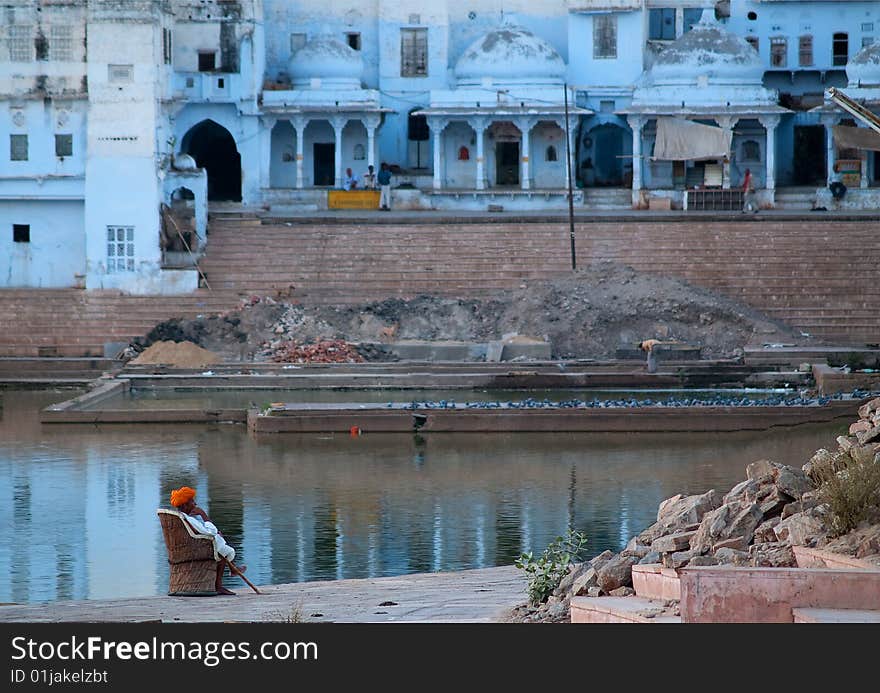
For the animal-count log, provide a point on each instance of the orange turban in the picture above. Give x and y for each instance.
(182, 495)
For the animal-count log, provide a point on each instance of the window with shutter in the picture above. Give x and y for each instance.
(605, 36)
(413, 52)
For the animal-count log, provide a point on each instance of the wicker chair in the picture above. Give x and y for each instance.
(191, 557)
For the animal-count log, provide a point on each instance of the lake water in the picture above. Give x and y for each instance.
(78, 502)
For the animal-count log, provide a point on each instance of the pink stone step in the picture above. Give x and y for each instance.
(713, 594)
(836, 616)
(619, 610)
(653, 581)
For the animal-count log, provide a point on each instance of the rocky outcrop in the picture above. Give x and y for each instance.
(756, 523)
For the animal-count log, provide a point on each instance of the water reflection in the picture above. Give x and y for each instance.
(77, 503)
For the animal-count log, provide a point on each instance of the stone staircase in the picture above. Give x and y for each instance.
(39, 372)
(820, 276)
(795, 198)
(824, 588)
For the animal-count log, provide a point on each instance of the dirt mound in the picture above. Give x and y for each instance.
(178, 354)
(585, 314)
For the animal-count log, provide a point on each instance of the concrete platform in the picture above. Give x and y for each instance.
(619, 610)
(341, 418)
(466, 596)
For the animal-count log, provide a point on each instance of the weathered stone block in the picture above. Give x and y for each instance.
(728, 521)
(868, 408)
(793, 482)
(616, 573)
(672, 542)
(732, 556)
(765, 531)
(759, 469)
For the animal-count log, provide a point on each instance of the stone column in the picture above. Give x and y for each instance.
(266, 125)
(479, 125)
(525, 126)
(829, 121)
(338, 125)
(727, 123)
(571, 168)
(636, 122)
(371, 123)
(863, 183)
(300, 124)
(770, 122)
(437, 125)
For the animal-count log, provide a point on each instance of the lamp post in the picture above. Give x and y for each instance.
(570, 194)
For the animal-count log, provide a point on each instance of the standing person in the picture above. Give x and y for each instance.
(384, 179)
(370, 179)
(750, 204)
(351, 180)
(183, 499)
(649, 346)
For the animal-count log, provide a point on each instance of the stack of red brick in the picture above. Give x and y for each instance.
(325, 351)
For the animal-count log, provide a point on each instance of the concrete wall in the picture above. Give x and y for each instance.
(41, 120)
(821, 20)
(122, 186)
(585, 71)
(56, 251)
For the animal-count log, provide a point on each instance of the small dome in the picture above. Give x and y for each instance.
(184, 162)
(331, 61)
(510, 55)
(863, 69)
(707, 52)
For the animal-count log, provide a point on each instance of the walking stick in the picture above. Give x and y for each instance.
(234, 569)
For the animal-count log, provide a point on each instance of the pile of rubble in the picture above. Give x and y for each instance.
(756, 523)
(324, 351)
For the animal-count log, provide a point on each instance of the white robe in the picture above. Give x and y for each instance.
(220, 545)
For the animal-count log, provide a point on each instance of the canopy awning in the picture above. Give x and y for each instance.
(684, 140)
(848, 137)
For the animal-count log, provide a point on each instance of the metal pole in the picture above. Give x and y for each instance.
(570, 194)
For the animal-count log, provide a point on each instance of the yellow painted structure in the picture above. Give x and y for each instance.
(353, 199)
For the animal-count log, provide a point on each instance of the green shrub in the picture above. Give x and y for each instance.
(546, 572)
(852, 494)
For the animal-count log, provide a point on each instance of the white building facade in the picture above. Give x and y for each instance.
(123, 119)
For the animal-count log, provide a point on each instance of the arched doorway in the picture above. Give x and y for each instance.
(608, 152)
(214, 149)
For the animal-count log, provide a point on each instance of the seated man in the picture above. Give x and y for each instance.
(350, 182)
(183, 499)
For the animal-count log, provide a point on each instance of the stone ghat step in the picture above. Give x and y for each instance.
(806, 615)
(619, 610)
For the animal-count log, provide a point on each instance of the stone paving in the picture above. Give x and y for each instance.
(467, 596)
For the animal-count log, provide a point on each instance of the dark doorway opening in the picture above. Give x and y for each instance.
(324, 158)
(809, 155)
(214, 149)
(608, 160)
(507, 163)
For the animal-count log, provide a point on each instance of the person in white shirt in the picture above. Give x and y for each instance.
(183, 499)
(370, 179)
(351, 180)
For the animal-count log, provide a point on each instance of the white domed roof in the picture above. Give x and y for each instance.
(510, 55)
(184, 162)
(707, 52)
(325, 58)
(863, 69)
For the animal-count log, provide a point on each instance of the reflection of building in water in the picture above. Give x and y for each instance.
(310, 509)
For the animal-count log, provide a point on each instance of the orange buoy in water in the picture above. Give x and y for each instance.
(355, 431)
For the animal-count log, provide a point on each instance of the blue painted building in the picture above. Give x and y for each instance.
(115, 146)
